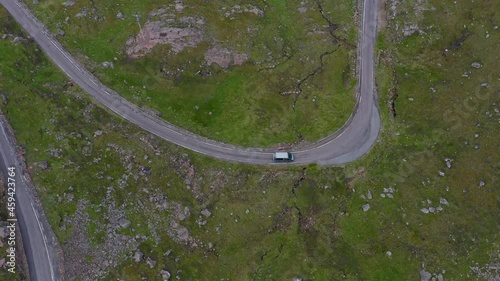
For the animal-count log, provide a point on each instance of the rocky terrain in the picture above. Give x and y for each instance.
(159, 33)
(422, 205)
(167, 26)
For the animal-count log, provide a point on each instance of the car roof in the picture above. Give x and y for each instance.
(281, 155)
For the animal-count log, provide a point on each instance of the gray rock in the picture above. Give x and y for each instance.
(138, 257)
(366, 207)
(443, 201)
(165, 275)
(69, 197)
(124, 223)
(180, 216)
(448, 162)
(369, 195)
(2, 262)
(17, 39)
(389, 195)
(482, 183)
(440, 277)
(409, 30)
(151, 262)
(425, 276)
(424, 210)
(97, 133)
(108, 64)
(432, 210)
(187, 212)
(388, 253)
(69, 3)
(476, 65)
(206, 213)
(61, 33)
(44, 165)
(120, 16)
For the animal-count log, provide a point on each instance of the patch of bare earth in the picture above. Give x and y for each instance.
(224, 57)
(382, 14)
(167, 28)
(157, 33)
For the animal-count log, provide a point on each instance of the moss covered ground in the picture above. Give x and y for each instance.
(439, 141)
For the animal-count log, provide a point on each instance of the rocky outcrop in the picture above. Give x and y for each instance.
(224, 57)
(158, 33)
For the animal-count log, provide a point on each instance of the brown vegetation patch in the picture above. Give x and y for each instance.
(307, 222)
(283, 221)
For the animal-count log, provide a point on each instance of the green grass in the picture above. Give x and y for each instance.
(76, 173)
(13, 77)
(241, 105)
(316, 230)
(426, 130)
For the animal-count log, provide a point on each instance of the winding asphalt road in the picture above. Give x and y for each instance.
(348, 144)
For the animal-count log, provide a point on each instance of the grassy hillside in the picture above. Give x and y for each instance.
(439, 148)
(429, 186)
(296, 84)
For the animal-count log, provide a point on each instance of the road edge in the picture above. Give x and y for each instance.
(54, 248)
